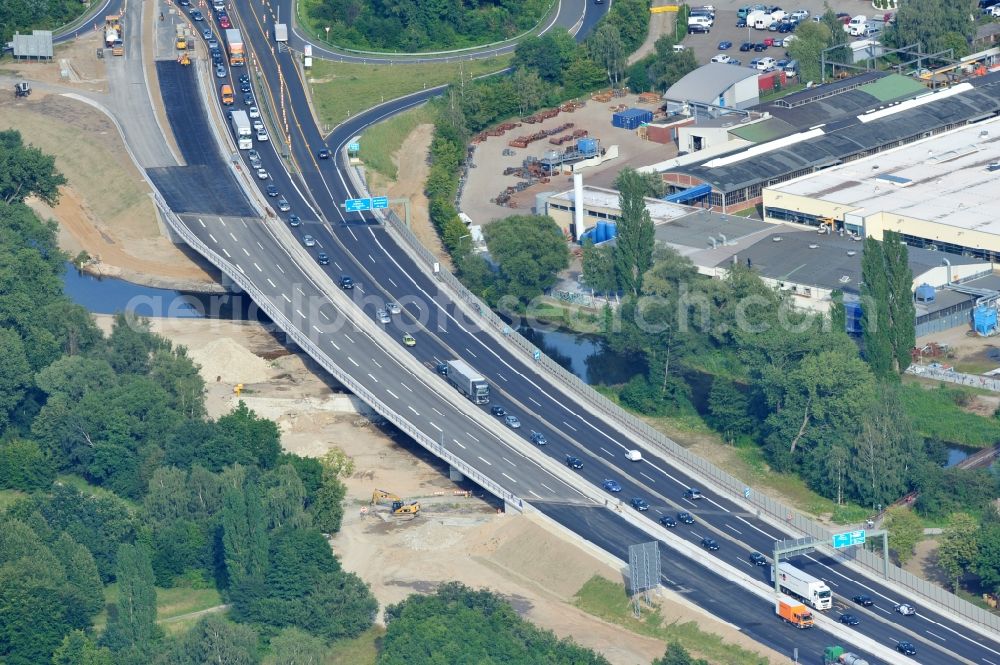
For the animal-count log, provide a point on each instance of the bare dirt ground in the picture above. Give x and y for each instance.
(105, 209)
(455, 537)
(486, 180)
(413, 168)
(77, 59)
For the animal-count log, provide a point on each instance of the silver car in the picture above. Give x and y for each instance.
(383, 316)
(393, 307)
(512, 422)
(283, 204)
(309, 241)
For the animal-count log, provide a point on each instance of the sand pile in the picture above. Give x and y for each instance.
(224, 357)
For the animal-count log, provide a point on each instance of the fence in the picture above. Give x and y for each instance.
(760, 503)
(327, 363)
(951, 376)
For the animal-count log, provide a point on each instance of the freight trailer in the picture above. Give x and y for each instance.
(472, 384)
(802, 585)
(234, 41)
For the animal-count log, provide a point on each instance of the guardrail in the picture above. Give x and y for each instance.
(951, 376)
(327, 363)
(763, 504)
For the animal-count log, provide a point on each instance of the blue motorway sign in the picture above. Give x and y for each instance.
(357, 205)
(379, 202)
(848, 538)
(353, 147)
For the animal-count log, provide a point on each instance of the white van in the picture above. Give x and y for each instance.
(856, 25)
(761, 21)
(703, 21)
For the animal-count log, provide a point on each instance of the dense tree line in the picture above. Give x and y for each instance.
(417, 25)
(936, 25)
(27, 15)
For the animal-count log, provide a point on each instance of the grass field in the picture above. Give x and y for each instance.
(607, 600)
(362, 650)
(383, 140)
(342, 90)
(170, 604)
(937, 415)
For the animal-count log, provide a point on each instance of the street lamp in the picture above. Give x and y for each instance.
(327, 34)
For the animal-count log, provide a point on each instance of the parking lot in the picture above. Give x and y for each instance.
(705, 46)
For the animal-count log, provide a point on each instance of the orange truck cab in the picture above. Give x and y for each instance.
(793, 612)
(226, 92)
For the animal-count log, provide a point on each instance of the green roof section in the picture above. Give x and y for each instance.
(893, 87)
(763, 131)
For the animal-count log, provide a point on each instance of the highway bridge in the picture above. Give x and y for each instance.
(261, 253)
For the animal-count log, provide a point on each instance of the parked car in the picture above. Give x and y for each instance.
(512, 421)
(538, 438)
(760, 47)
(698, 29)
(735, 61)
(863, 600)
(393, 307)
(765, 63)
(799, 15)
(574, 462)
(746, 46)
(721, 58)
(640, 504)
(611, 485)
(758, 559)
(668, 521)
(786, 27)
(725, 46)
(685, 517)
(709, 544)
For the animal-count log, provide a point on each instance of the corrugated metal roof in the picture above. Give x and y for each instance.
(36, 45)
(893, 87)
(765, 130)
(706, 83)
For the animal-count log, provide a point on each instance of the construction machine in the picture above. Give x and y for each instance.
(398, 506)
(185, 60)
(114, 37)
(22, 89)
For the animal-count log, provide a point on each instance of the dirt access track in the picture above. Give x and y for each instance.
(456, 537)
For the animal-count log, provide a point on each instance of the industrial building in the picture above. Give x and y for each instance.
(714, 85)
(36, 46)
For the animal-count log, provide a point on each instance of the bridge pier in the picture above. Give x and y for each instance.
(455, 475)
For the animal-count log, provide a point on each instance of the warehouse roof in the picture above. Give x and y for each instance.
(830, 145)
(943, 179)
(36, 45)
(706, 83)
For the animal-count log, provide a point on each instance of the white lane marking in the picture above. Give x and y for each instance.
(247, 253)
(646, 477)
(535, 401)
(937, 636)
(377, 363)
(213, 238)
(412, 409)
(260, 245)
(373, 378)
(202, 223)
(535, 495)
(334, 345)
(471, 353)
(392, 282)
(548, 488)
(226, 252)
(338, 265)
(287, 299)
(570, 426)
(607, 452)
(880, 609)
(279, 268)
(351, 231)
(222, 221)
(501, 376)
(240, 268)
(459, 443)
(733, 529)
(472, 437)
(299, 312)
(507, 477)
(354, 362)
(406, 386)
(392, 393)
(349, 338)
(322, 313)
(436, 411)
(372, 258)
(317, 330)
(233, 236)
(273, 285)
(487, 461)
(299, 289)
(431, 422)
(507, 460)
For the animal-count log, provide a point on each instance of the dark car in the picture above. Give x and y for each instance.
(849, 620)
(668, 521)
(248, 99)
(611, 486)
(293, 220)
(640, 504)
(538, 438)
(693, 493)
(685, 517)
(746, 46)
(323, 154)
(863, 600)
(758, 559)
(346, 282)
(759, 47)
(696, 29)
(323, 258)
(741, 23)
(786, 27)
(498, 411)
(271, 190)
(709, 544)
(442, 369)
(573, 462)
(245, 87)
(906, 648)
(217, 56)
(197, 15)
(725, 46)
(244, 78)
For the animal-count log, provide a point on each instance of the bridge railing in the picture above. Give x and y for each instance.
(760, 503)
(307, 344)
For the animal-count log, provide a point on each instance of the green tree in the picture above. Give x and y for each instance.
(78, 649)
(599, 268)
(244, 536)
(213, 640)
(885, 451)
(15, 373)
(638, 74)
(669, 66)
(293, 646)
(810, 40)
(257, 435)
(582, 75)
(935, 24)
(81, 572)
(132, 626)
(549, 55)
(634, 246)
(23, 466)
(652, 182)
(678, 655)
(838, 313)
(530, 250)
(987, 564)
(530, 90)
(875, 309)
(729, 409)
(958, 548)
(905, 531)
(902, 311)
(26, 171)
(607, 49)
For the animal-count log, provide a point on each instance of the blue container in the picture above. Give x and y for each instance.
(602, 232)
(852, 314)
(587, 146)
(984, 320)
(612, 230)
(587, 235)
(631, 118)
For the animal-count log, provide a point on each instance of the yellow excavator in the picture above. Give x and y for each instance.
(399, 508)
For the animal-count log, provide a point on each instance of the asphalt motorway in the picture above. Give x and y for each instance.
(365, 251)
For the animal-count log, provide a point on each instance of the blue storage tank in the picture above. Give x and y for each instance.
(587, 147)
(852, 311)
(984, 320)
(925, 293)
(631, 118)
(612, 230)
(587, 235)
(602, 232)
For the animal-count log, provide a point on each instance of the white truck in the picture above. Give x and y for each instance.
(243, 130)
(472, 384)
(281, 33)
(803, 586)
